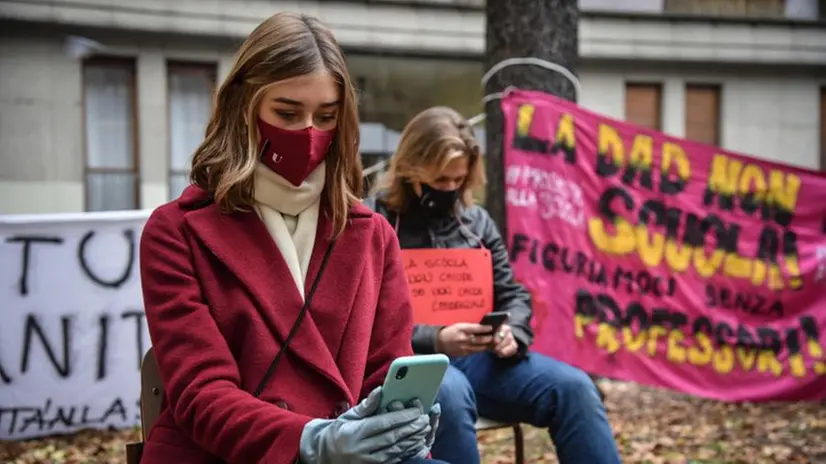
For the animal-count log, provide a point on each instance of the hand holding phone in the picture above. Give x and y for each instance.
(463, 338)
(495, 320)
(414, 377)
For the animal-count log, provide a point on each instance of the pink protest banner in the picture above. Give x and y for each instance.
(663, 261)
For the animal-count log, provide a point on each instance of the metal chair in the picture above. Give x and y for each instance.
(519, 441)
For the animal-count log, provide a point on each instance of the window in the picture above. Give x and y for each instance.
(631, 6)
(823, 129)
(395, 88)
(111, 177)
(741, 8)
(643, 105)
(191, 87)
(702, 113)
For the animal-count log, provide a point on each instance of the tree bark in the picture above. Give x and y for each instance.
(545, 29)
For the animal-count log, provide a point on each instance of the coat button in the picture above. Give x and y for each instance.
(341, 408)
(282, 405)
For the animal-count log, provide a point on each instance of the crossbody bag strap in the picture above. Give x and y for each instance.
(297, 324)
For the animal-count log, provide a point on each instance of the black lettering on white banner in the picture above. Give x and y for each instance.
(32, 329)
(27, 241)
(127, 272)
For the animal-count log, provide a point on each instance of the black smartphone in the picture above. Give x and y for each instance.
(495, 319)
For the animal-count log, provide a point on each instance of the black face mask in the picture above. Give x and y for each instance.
(438, 202)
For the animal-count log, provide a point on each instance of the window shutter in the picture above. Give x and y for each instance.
(643, 105)
(702, 113)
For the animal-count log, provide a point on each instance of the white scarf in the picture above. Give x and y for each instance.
(290, 214)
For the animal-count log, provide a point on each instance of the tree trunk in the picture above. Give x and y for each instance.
(545, 29)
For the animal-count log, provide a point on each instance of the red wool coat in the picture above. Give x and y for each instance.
(220, 300)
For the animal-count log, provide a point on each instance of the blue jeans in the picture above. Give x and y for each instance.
(423, 461)
(539, 390)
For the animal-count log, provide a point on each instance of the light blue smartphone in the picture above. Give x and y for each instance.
(414, 377)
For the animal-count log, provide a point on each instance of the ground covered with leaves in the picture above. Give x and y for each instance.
(651, 426)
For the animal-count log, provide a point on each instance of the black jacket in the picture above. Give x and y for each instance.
(418, 230)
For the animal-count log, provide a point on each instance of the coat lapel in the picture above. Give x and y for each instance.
(337, 295)
(242, 243)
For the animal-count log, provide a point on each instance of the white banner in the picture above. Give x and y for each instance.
(72, 326)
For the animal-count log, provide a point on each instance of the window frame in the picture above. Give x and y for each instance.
(717, 89)
(129, 64)
(743, 9)
(171, 67)
(648, 84)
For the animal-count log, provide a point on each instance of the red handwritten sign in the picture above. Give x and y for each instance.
(449, 285)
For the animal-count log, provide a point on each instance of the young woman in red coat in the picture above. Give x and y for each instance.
(273, 213)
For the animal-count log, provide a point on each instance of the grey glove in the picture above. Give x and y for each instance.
(430, 437)
(362, 436)
(435, 414)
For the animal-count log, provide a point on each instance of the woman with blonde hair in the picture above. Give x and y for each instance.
(427, 196)
(272, 296)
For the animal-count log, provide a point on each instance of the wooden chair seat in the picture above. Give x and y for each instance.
(483, 424)
(151, 401)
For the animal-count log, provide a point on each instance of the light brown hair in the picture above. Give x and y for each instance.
(284, 46)
(426, 146)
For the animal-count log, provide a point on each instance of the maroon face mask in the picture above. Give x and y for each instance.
(293, 154)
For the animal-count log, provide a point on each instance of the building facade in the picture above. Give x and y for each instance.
(103, 101)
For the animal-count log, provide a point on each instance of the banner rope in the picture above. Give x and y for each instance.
(531, 61)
